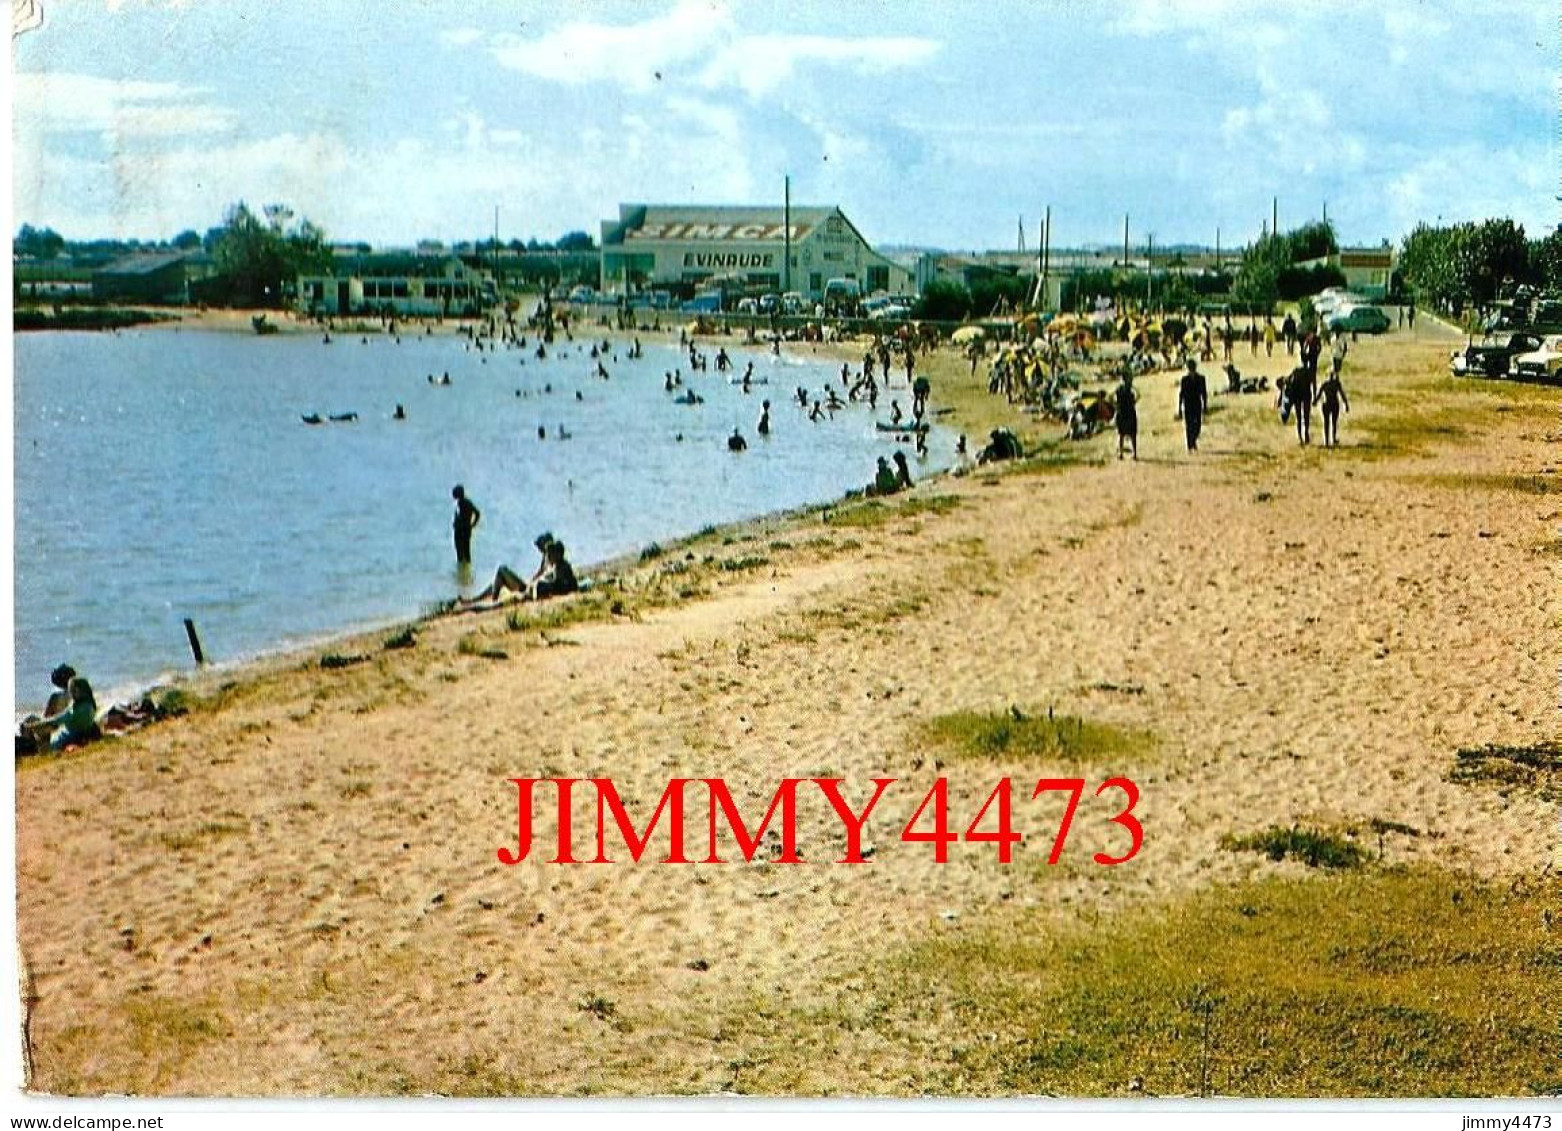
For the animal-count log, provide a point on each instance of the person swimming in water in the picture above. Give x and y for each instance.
(763, 427)
(736, 442)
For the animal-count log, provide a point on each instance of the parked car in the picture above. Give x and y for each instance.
(891, 312)
(748, 306)
(791, 303)
(1543, 364)
(583, 294)
(1493, 355)
(1359, 319)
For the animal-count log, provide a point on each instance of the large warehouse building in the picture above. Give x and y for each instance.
(685, 247)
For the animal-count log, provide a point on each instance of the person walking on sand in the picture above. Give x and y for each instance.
(1332, 394)
(466, 519)
(1269, 336)
(1126, 413)
(1304, 381)
(1288, 332)
(1192, 400)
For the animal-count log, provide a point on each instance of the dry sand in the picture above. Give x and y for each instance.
(298, 892)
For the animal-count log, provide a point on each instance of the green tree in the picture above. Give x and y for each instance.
(1545, 262)
(943, 300)
(259, 260)
(575, 241)
(39, 243)
(187, 240)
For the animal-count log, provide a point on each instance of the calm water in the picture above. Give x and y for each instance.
(167, 474)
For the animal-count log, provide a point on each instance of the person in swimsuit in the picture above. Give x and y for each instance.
(1332, 394)
(1126, 414)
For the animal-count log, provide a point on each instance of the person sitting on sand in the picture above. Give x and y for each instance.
(506, 579)
(883, 479)
(902, 472)
(558, 576)
(28, 738)
(76, 724)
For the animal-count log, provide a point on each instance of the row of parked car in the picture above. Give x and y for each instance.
(1340, 310)
(1528, 355)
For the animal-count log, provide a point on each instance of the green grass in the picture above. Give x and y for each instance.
(1402, 983)
(1525, 484)
(1013, 735)
(1536, 768)
(1316, 848)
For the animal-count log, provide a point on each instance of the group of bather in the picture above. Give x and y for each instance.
(70, 716)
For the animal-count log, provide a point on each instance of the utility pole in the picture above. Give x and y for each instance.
(1274, 215)
(1125, 241)
(1217, 250)
(1149, 271)
(1022, 233)
(1046, 251)
(786, 235)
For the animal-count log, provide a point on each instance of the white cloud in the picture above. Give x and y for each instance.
(629, 55)
(763, 63)
(76, 103)
(697, 42)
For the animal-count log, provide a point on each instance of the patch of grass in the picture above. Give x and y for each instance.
(745, 563)
(1408, 426)
(202, 834)
(1536, 768)
(652, 552)
(1347, 985)
(1316, 848)
(1525, 484)
(165, 1033)
(1013, 735)
(928, 504)
(476, 644)
(406, 638)
(869, 514)
(541, 616)
(334, 660)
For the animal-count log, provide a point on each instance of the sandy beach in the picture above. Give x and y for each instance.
(294, 889)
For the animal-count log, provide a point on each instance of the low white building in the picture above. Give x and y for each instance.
(397, 282)
(743, 248)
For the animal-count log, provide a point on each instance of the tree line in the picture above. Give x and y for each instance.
(1458, 266)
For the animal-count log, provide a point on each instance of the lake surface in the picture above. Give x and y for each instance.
(164, 474)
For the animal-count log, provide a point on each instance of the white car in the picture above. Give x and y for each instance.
(1544, 364)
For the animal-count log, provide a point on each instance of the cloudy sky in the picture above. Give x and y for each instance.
(934, 123)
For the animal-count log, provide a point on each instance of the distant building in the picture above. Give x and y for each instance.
(395, 282)
(683, 248)
(1368, 271)
(150, 277)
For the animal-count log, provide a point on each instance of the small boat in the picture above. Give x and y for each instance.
(344, 417)
(313, 418)
(904, 428)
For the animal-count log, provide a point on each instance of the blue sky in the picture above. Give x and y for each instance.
(928, 123)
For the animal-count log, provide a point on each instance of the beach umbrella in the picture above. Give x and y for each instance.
(967, 334)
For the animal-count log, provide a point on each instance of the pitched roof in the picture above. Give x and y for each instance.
(142, 263)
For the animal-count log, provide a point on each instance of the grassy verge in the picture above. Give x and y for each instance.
(1404, 983)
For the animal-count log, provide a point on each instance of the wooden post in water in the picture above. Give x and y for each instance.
(195, 641)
